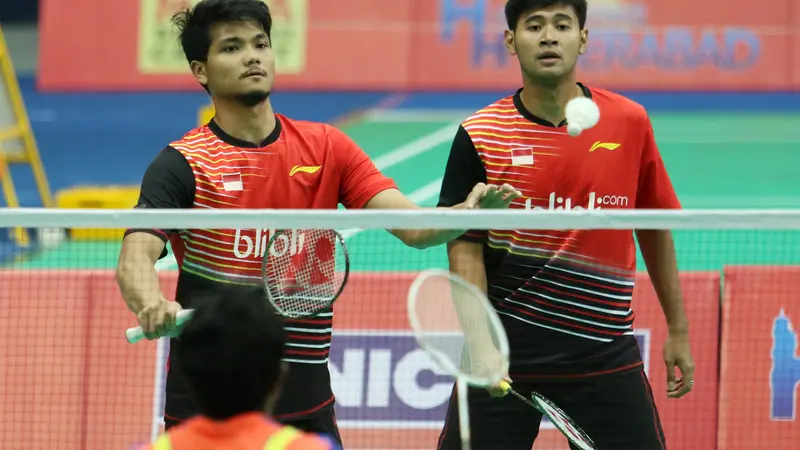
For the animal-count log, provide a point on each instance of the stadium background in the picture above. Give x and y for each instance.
(722, 86)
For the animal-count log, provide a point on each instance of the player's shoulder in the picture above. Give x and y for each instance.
(496, 113)
(617, 105)
(310, 131)
(190, 139)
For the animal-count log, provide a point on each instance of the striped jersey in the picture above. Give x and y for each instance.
(564, 295)
(301, 165)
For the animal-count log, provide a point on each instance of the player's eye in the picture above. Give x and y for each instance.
(262, 45)
(535, 27)
(562, 27)
(229, 49)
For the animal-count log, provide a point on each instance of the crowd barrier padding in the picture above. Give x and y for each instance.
(71, 382)
(97, 197)
(432, 45)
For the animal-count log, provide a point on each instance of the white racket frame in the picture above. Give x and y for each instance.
(462, 380)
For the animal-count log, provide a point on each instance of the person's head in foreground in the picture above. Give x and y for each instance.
(227, 44)
(547, 36)
(231, 353)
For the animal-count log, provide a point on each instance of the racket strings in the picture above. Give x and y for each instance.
(308, 281)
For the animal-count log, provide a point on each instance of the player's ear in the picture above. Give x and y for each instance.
(508, 41)
(584, 41)
(199, 71)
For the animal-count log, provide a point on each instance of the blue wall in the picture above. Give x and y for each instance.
(110, 138)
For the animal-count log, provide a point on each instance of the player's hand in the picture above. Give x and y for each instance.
(484, 362)
(500, 390)
(677, 352)
(491, 196)
(158, 319)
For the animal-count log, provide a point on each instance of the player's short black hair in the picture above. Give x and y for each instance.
(516, 8)
(194, 24)
(230, 352)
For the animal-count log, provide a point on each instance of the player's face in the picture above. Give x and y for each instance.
(547, 42)
(240, 61)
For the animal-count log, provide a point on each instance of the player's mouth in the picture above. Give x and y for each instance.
(549, 57)
(254, 73)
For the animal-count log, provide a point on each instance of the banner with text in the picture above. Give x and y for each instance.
(430, 44)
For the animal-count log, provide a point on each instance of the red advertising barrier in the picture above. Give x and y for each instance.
(760, 369)
(69, 380)
(431, 44)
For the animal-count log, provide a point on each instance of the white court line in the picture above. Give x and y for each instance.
(416, 115)
(416, 147)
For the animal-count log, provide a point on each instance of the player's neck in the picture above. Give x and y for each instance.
(251, 124)
(547, 101)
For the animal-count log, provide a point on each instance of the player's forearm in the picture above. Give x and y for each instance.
(138, 282)
(422, 239)
(466, 261)
(658, 250)
(136, 273)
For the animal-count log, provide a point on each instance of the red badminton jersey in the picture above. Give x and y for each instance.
(564, 295)
(301, 165)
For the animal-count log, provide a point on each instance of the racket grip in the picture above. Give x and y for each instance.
(504, 386)
(135, 334)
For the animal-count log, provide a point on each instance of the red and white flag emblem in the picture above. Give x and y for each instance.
(232, 182)
(521, 156)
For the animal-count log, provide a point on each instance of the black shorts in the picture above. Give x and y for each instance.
(321, 422)
(617, 412)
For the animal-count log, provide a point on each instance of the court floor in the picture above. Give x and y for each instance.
(715, 161)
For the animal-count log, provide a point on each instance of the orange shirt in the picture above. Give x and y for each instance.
(251, 431)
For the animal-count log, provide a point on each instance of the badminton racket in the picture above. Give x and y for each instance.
(303, 273)
(460, 330)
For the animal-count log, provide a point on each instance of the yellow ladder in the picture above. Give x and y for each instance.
(17, 144)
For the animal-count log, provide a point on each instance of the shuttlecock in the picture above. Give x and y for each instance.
(582, 113)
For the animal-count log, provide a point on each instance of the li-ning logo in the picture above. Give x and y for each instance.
(253, 243)
(557, 203)
(610, 146)
(303, 169)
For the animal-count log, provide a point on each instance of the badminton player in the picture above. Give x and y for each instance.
(231, 356)
(250, 157)
(565, 295)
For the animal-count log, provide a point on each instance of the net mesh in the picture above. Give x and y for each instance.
(70, 381)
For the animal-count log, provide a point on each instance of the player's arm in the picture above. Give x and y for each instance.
(655, 191)
(465, 254)
(464, 169)
(167, 183)
(363, 186)
(658, 250)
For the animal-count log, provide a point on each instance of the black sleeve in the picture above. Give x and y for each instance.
(168, 183)
(464, 170)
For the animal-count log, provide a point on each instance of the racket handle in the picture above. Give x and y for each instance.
(504, 386)
(135, 334)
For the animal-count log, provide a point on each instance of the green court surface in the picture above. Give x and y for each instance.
(715, 161)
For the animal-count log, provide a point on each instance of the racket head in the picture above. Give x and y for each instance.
(467, 341)
(304, 271)
(563, 422)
